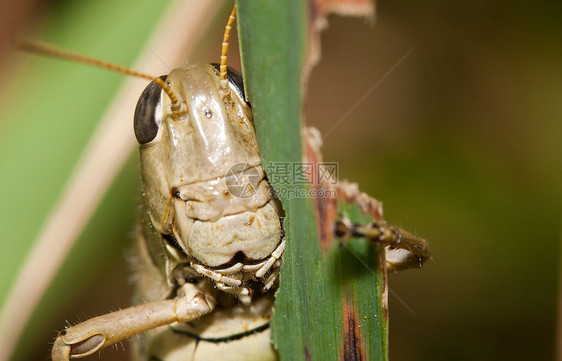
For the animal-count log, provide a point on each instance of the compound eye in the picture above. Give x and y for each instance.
(148, 113)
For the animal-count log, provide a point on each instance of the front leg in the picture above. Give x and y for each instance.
(90, 336)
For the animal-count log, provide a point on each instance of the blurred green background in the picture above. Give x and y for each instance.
(462, 143)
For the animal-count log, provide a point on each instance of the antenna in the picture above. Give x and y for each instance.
(178, 107)
(225, 90)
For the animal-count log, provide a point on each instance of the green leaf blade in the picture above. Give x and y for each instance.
(329, 306)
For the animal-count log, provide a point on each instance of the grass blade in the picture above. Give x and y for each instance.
(331, 302)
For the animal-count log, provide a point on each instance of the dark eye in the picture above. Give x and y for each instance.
(146, 122)
(234, 78)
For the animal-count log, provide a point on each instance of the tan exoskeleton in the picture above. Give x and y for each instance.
(211, 240)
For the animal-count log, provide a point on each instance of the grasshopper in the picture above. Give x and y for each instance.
(209, 259)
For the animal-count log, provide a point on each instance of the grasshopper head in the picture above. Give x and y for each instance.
(214, 135)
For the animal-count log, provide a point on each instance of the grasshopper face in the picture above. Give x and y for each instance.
(186, 165)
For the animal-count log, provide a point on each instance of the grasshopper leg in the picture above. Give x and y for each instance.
(404, 250)
(98, 332)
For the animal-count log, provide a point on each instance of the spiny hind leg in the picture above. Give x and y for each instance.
(90, 336)
(403, 249)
